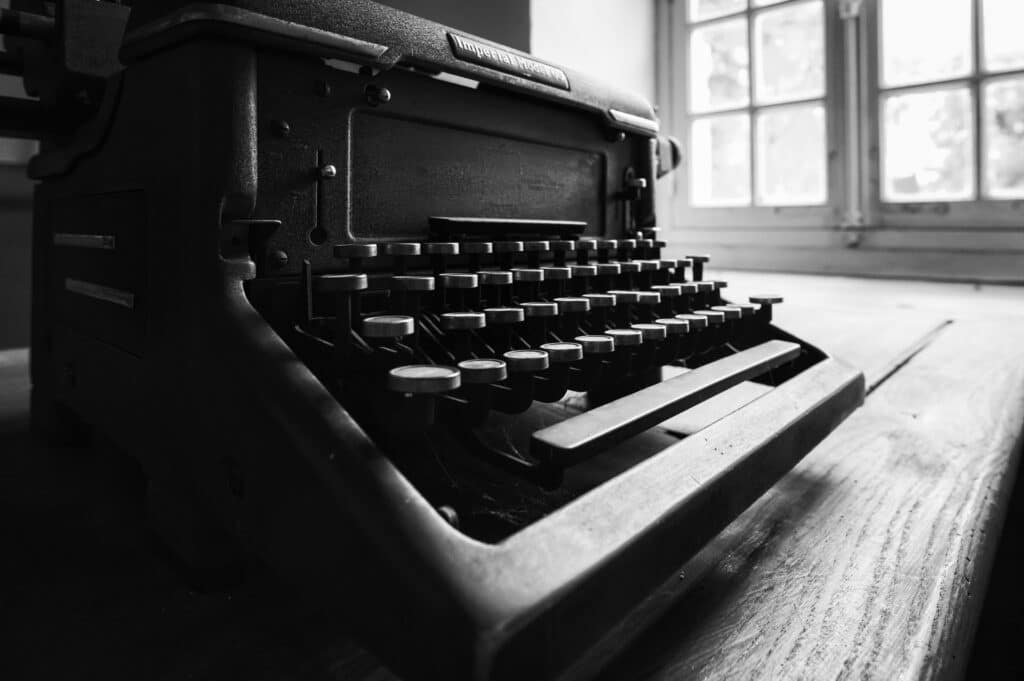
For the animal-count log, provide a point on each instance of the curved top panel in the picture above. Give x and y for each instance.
(368, 33)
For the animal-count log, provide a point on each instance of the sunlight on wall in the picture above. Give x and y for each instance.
(610, 39)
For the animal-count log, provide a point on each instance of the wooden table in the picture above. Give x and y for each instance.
(869, 560)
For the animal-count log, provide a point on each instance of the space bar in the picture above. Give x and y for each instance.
(588, 433)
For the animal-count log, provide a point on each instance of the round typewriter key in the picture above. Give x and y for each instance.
(600, 299)
(458, 280)
(625, 296)
(720, 284)
(508, 246)
(629, 267)
(698, 258)
(476, 247)
(521, 274)
(411, 283)
(563, 245)
(608, 268)
(766, 299)
(339, 283)
(596, 345)
(627, 243)
(459, 321)
(625, 337)
(660, 244)
(683, 263)
(556, 273)
(645, 243)
(586, 244)
(572, 305)
(402, 248)
(607, 244)
(666, 264)
(668, 290)
(651, 332)
(537, 246)
(649, 265)
(705, 286)
(583, 271)
(562, 353)
(526, 360)
(714, 318)
(729, 312)
(503, 315)
(648, 297)
(423, 378)
(389, 326)
(696, 321)
(689, 288)
(441, 248)
(355, 251)
(746, 309)
(539, 309)
(495, 278)
(674, 327)
(478, 371)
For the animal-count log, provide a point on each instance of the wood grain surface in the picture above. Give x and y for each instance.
(867, 561)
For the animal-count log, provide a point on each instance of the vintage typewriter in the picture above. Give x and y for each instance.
(384, 304)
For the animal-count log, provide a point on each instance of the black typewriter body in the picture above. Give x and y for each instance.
(319, 268)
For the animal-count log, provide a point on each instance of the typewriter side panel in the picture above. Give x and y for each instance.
(243, 449)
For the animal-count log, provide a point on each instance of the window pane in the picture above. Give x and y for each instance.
(924, 40)
(790, 53)
(708, 9)
(1004, 47)
(928, 146)
(1004, 138)
(719, 66)
(791, 156)
(720, 161)
(762, 3)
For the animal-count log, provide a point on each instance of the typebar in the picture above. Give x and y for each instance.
(508, 227)
(583, 436)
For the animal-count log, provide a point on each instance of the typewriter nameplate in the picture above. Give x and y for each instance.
(509, 62)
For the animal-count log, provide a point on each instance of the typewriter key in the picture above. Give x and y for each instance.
(423, 379)
(495, 278)
(714, 317)
(458, 280)
(673, 326)
(523, 361)
(528, 275)
(698, 265)
(746, 309)
(596, 345)
(731, 313)
(539, 309)
(477, 371)
(766, 301)
(411, 283)
(625, 338)
(504, 315)
(651, 332)
(389, 326)
(462, 321)
(696, 321)
(441, 248)
(561, 353)
(355, 253)
(560, 248)
(571, 305)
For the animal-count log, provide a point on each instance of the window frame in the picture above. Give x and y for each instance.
(978, 213)
(678, 101)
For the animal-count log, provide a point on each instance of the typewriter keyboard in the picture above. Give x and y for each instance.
(490, 370)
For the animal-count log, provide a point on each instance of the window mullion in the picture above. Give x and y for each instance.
(752, 126)
(976, 89)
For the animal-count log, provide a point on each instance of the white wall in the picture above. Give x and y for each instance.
(610, 39)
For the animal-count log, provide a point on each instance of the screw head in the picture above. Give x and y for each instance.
(376, 95)
(328, 171)
(278, 258)
(280, 128)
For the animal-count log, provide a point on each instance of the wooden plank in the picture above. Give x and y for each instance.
(871, 556)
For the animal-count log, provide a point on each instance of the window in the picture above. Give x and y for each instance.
(951, 100)
(829, 113)
(756, 117)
